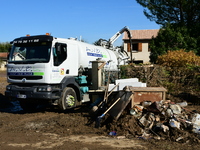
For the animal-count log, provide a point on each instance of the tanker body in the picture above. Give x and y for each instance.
(45, 69)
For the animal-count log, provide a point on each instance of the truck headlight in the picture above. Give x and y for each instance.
(8, 88)
(44, 89)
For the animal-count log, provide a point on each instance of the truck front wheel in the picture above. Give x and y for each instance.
(68, 99)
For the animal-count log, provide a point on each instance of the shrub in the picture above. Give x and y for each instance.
(179, 58)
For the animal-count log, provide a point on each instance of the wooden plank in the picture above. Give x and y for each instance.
(121, 105)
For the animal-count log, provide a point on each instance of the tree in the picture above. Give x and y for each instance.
(173, 37)
(100, 42)
(180, 20)
(182, 12)
(4, 47)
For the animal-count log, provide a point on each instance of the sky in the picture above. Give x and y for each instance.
(89, 20)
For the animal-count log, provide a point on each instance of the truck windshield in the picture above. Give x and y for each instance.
(30, 53)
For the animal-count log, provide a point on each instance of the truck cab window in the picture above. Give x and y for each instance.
(60, 53)
(30, 53)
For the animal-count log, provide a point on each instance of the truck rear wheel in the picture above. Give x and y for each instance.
(68, 99)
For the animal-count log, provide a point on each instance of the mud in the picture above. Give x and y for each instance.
(48, 128)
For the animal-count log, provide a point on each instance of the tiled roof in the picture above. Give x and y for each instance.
(3, 54)
(142, 34)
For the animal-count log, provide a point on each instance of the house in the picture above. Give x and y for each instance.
(3, 60)
(140, 45)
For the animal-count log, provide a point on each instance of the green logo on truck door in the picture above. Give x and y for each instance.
(38, 73)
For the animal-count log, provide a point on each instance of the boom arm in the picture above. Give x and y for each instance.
(116, 36)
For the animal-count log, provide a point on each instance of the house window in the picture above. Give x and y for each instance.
(136, 47)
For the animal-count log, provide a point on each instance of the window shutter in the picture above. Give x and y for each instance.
(139, 47)
(128, 47)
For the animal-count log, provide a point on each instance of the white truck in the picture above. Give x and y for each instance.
(45, 69)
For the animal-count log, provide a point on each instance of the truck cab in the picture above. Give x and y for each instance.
(39, 68)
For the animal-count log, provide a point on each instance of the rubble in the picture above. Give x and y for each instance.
(158, 120)
(144, 115)
(163, 118)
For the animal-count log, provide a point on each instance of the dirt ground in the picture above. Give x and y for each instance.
(47, 128)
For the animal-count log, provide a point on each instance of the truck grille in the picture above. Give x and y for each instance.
(26, 77)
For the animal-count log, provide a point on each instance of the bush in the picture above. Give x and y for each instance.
(179, 58)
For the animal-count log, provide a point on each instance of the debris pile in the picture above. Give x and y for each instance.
(163, 120)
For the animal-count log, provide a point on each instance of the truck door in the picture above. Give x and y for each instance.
(65, 58)
(60, 53)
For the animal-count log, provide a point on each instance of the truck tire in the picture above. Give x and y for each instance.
(68, 99)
